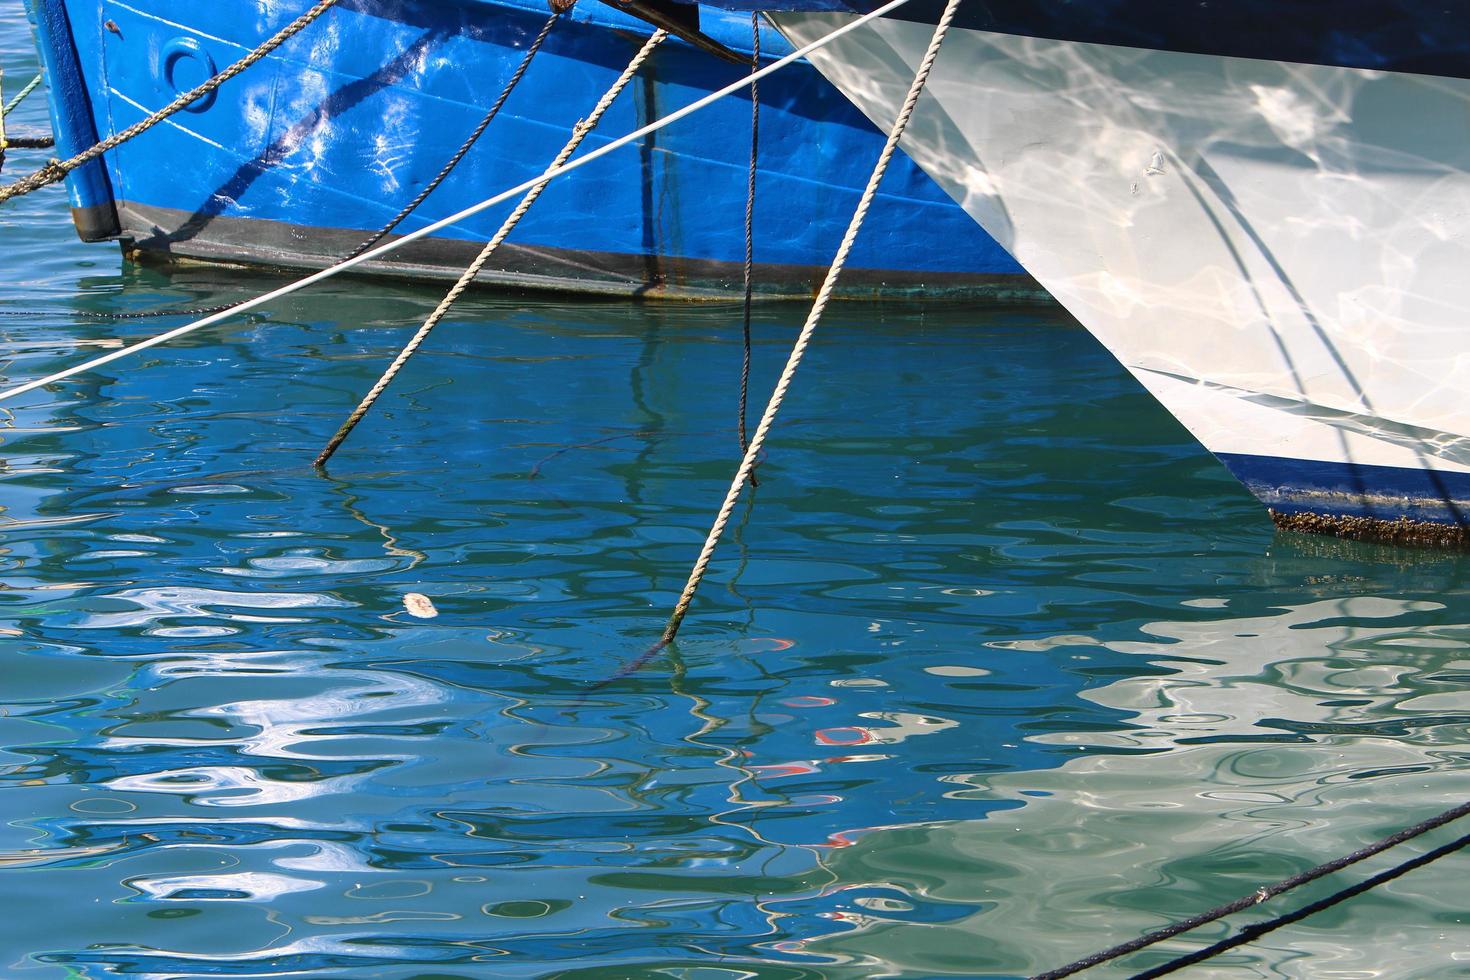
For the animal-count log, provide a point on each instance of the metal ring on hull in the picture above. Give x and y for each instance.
(188, 48)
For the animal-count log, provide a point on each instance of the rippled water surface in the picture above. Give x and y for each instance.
(997, 668)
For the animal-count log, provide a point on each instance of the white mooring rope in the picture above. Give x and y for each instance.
(579, 133)
(820, 304)
(443, 223)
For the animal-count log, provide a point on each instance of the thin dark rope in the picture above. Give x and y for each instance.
(1252, 933)
(755, 128)
(474, 137)
(1258, 896)
(135, 315)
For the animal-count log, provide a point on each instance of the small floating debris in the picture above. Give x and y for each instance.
(419, 605)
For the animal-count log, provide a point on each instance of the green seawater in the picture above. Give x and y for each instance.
(995, 668)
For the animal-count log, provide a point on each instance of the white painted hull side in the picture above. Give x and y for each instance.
(1278, 252)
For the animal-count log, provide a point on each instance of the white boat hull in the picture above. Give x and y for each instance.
(1277, 251)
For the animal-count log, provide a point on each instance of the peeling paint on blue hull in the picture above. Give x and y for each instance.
(328, 137)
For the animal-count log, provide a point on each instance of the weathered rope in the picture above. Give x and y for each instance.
(1258, 896)
(1252, 933)
(579, 133)
(749, 269)
(453, 162)
(20, 96)
(55, 170)
(815, 316)
(28, 142)
(385, 248)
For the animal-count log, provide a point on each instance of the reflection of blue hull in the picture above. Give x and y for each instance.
(297, 159)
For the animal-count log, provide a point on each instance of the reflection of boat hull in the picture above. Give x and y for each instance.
(296, 161)
(1276, 250)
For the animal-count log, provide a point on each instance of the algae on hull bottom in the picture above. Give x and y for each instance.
(1402, 530)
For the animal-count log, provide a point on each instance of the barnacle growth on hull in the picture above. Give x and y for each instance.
(1401, 531)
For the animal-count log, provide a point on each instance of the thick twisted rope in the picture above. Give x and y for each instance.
(474, 137)
(27, 142)
(56, 170)
(820, 304)
(1258, 896)
(579, 133)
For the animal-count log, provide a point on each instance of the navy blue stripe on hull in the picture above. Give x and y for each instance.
(1430, 37)
(1304, 486)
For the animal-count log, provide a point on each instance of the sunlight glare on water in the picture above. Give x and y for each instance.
(1000, 668)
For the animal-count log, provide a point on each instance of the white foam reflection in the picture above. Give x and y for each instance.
(292, 565)
(244, 886)
(295, 726)
(156, 604)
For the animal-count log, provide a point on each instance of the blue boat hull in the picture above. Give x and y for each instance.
(293, 163)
